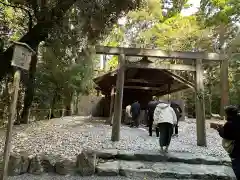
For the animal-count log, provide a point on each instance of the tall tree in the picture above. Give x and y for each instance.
(222, 15)
(49, 14)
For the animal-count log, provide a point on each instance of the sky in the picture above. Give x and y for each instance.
(193, 9)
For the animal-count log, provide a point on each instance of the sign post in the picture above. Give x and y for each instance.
(21, 59)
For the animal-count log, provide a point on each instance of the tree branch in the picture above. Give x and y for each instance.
(26, 10)
(36, 34)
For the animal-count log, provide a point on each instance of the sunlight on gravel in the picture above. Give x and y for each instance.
(68, 136)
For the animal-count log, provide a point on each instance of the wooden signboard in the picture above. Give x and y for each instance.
(21, 58)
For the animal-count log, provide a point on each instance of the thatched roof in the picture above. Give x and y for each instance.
(143, 80)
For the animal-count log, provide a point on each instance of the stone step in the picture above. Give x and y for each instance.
(159, 157)
(137, 169)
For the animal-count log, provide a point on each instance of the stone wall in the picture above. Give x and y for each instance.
(97, 106)
(114, 162)
(21, 163)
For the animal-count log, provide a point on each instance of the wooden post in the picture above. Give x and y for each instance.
(200, 106)
(111, 106)
(118, 99)
(169, 89)
(7, 147)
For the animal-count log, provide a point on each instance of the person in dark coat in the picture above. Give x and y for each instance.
(135, 111)
(178, 111)
(150, 111)
(231, 131)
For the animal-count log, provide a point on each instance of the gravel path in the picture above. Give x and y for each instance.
(57, 177)
(69, 135)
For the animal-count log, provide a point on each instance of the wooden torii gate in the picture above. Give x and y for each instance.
(196, 57)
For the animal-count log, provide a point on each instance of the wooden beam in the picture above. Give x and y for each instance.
(180, 79)
(144, 88)
(178, 67)
(200, 105)
(118, 99)
(171, 91)
(157, 53)
(159, 82)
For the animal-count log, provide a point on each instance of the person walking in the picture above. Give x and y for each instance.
(230, 132)
(150, 111)
(164, 118)
(135, 112)
(128, 115)
(178, 111)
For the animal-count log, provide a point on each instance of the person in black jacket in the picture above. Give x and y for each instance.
(231, 131)
(150, 111)
(135, 111)
(178, 111)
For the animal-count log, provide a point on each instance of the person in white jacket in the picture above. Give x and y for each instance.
(164, 118)
(128, 115)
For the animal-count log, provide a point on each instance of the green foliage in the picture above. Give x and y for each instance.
(178, 33)
(13, 22)
(115, 38)
(63, 72)
(59, 77)
(219, 11)
(235, 80)
(151, 10)
(173, 32)
(113, 62)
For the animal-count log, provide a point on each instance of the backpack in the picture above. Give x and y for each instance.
(177, 110)
(228, 145)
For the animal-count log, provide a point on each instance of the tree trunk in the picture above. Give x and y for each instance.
(51, 115)
(68, 103)
(224, 73)
(68, 111)
(37, 34)
(29, 92)
(76, 104)
(224, 86)
(5, 99)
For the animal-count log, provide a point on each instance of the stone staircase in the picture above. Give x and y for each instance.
(174, 165)
(112, 163)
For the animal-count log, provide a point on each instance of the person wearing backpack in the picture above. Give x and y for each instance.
(178, 111)
(230, 132)
(150, 111)
(135, 112)
(164, 118)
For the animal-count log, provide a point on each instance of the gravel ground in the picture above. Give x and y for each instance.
(68, 136)
(57, 177)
